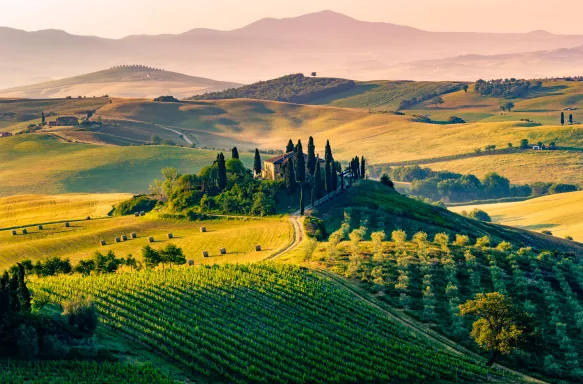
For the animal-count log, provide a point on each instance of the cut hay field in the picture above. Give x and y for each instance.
(81, 239)
(43, 164)
(561, 214)
(38, 209)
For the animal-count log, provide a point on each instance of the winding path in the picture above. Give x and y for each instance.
(298, 236)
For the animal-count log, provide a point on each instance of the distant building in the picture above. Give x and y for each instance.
(5, 134)
(273, 168)
(52, 123)
(67, 121)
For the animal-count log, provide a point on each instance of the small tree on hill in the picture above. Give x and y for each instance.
(437, 100)
(151, 257)
(257, 162)
(509, 106)
(289, 147)
(562, 118)
(465, 88)
(42, 117)
(172, 254)
(300, 162)
(496, 330)
(386, 180)
(362, 167)
(314, 74)
(523, 143)
(234, 153)
(571, 119)
(502, 107)
(222, 171)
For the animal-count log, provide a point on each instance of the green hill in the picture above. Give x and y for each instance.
(265, 322)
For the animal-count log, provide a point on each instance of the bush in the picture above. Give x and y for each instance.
(483, 242)
(478, 214)
(546, 232)
(315, 228)
(54, 347)
(27, 342)
(399, 236)
(386, 180)
(562, 188)
(167, 99)
(441, 239)
(420, 238)
(504, 246)
(81, 313)
(462, 240)
(569, 238)
(455, 120)
(135, 204)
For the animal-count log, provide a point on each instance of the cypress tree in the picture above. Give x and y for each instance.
(356, 168)
(342, 181)
(313, 193)
(13, 293)
(301, 199)
(22, 291)
(4, 294)
(234, 153)
(334, 176)
(328, 179)
(571, 119)
(290, 146)
(222, 171)
(328, 153)
(562, 118)
(311, 156)
(257, 162)
(290, 177)
(319, 191)
(42, 117)
(300, 162)
(362, 168)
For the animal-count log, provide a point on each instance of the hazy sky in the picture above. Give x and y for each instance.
(118, 18)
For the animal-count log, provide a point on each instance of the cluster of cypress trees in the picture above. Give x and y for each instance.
(14, 295)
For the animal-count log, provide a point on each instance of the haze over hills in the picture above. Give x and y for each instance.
(333, 44)
(121, 81)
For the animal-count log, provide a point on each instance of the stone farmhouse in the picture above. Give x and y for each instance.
(273, 168)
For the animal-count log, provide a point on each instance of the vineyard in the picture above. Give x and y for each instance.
(429, 278)
(263, 322)
(57, 372)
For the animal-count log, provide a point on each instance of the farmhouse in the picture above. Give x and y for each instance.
(66, 121)
(5, 134)
(273, 168)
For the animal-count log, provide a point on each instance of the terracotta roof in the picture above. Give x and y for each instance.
(280, 159)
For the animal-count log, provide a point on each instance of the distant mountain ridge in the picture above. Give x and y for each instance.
(330, 43)
(122, 81)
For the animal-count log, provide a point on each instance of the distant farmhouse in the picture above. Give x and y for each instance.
(5, 134)
(64, 121)
(273, 168)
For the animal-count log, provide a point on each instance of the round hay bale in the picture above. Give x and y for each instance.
(40, 227)
(88, 218)
(223, 251)
(117, 239)
(205, 254)
(133, 235)
(203, 229)
(142, 213)
(102, 242)
(190, 263)
(150, 239)
(24, 231)
(67, 225)
(170, 236)
(136, 214)
(258, 248)
(13, 232)
(124, 238)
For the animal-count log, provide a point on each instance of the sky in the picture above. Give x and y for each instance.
(119, 18)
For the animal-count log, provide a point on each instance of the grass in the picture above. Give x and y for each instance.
(29, 209)
(561, 214)
(44, 164)
(81, 239)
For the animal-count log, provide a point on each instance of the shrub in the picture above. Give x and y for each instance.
(386, 180)
(420, 238)
(568, 237)
(315, 228)
(309, 248)
(441, 239)
(483, 242)
(478, 214)
(462, 240)
(81, 313)
(504, 246)
(167, 99)
(399, 236)
(135, 204)
(547, 232)
(54, 347)
(562, 188)
(27, 343)
(455, 120)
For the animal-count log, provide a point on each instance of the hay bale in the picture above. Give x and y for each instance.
(205, 254)
(40, 227)
(170, 236)
(117, 239)
(133, 235)
(88, 218)
(137, 214)
(102, 242)
(203, 229)
(223, 251)
(13, 232)
(150, 239)
(142, 213)
(24, 231)
(124, 238)
(190, 263)
(67, 225)
(258, 247)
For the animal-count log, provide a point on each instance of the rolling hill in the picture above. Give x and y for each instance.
(136, 81)
(341, 45)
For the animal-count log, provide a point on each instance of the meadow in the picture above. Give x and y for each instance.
(561, 214)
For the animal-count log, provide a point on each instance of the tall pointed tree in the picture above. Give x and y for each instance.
(257, 162)
(319, 191)
(328, 179)
(342, 181)
(235, 153)
(302, 199)
(334, 176)
(300, 162)
(311, 156)
(22, 291)
(562, 118)
(290, 146)
(362, 167)
(42, 117)
(571, 119)
(328, 153)
(222, 171)
(290, 177)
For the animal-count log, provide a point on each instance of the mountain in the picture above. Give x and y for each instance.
(330, 43)
(122, 81)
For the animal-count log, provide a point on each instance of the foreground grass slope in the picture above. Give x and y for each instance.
(44, 164)
(561, 214)
(81, 239)
(264, 322)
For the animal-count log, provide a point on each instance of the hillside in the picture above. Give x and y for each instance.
(121, 81)
(249, 323)
(327, 42)
(560, 214)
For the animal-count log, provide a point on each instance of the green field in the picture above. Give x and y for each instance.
(44, 164)
(266, 322)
